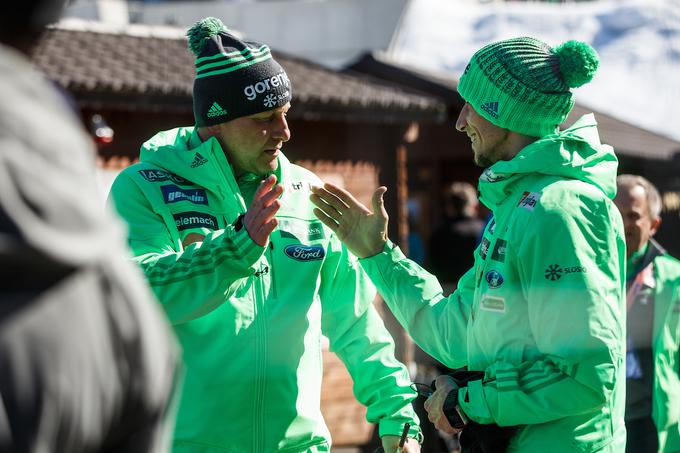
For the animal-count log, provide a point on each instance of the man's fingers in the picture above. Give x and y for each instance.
(378, 202)
(330, 199)
(266, 214)
(445, 426)
(326, 207)
(326, 220)
(265, 186)
(265, 230)
(412, 446)
(272, 195)
(266, 198)
(345, 197)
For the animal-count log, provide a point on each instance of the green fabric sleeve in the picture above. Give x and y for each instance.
(577, 322)
(436, 323)
(666, 336)
(188, 282)
(359, 337)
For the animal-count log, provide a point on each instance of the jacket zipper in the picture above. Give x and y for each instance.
(260, 324)
(271, 267)
(261, 355)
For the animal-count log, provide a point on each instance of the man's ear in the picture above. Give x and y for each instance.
(656, 223)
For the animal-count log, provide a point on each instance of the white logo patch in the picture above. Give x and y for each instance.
(493, 303)
(265, 85)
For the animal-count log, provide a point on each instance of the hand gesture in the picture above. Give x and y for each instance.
(259, 220)
(362, 231)
(435, 404)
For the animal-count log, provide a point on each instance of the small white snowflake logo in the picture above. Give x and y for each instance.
(270, 101)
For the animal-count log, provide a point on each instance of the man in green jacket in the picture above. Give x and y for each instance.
(250, 291)
(541, 314)
(653, 323)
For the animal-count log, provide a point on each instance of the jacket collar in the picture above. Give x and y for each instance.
(182, 151)
(575, 153)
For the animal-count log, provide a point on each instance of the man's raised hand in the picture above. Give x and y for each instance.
(259, 220)
(363, 231)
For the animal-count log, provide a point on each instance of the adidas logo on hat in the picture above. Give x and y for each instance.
(491, 108)
(216, 110)
(198, 160)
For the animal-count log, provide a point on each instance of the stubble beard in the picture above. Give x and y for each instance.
(482, 161)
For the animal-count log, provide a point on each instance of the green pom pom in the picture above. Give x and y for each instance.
(201, 31)
(578, 62)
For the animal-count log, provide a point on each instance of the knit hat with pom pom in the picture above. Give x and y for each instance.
(522, 84)
(234, 78)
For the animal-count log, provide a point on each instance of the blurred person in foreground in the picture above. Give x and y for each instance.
(653, 323)
(221, 224)
(539, 319)
(87, 361)
(459, 233)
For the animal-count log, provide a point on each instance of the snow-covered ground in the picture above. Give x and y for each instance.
(638, 42)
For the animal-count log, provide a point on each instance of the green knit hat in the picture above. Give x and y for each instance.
(234, 78)
(522, 84)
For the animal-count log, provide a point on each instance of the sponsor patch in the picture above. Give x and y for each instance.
(193, 219)
(555, 271)
(299, 185)
(301, 252)
(173, 194)
(489, 175)
(499, 250)
(270, 101)
(529, 200)
(265, 85)
(300, 230)
(494, 279)
(492, 303)
(161, 175)
(484, 248)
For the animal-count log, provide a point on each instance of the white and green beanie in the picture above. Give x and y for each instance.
(234, 78)
(522, 84)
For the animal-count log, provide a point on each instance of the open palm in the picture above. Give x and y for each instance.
(363, 231)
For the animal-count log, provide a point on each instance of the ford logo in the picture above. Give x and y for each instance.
(494, 279)
(305, 252)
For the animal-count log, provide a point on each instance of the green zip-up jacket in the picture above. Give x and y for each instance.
(542, 311)
(250, 318)
(666, 352)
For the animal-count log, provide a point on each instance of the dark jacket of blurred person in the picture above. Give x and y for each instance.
(458, 235)
(87, 361)
(653, 323)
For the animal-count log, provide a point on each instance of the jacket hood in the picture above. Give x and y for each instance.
(575, 153)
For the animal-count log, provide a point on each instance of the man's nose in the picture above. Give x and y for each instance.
(461, 122)
(281, 130)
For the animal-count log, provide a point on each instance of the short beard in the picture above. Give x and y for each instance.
(494, 155)
(483, 162)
